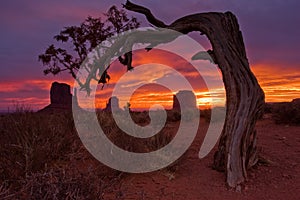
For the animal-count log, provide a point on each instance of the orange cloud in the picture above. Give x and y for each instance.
(279, 84)
(149, 95)
(147, 75)
(30, 93)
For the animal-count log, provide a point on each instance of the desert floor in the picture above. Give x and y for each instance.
(192, 178)
(50, 162)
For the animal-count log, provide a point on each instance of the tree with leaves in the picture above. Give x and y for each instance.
(83, 39)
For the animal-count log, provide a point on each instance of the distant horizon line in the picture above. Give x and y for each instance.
(29, 108)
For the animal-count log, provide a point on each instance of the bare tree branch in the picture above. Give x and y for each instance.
(245, 98)
(140, 9)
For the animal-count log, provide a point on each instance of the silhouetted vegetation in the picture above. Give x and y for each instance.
(42, 157)
(83, 39)
(286, 113)
(219, 114)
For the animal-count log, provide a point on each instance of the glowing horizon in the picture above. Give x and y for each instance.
(29, 27)
(35, 93)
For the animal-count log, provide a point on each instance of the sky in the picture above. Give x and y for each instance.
(270, 29)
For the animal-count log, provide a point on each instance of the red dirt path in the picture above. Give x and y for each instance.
(195, 179)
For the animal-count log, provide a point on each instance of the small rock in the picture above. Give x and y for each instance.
(113, 104)
(287, 176)
(282, 138)
(238, 188)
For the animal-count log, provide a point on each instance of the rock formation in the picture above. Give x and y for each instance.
(60, 94)
(113, 103)
(188, 99)
(296, 101)
(60, 97)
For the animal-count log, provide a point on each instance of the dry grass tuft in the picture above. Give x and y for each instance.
(42, 157)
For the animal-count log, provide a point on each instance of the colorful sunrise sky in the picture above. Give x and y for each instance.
(270, 29)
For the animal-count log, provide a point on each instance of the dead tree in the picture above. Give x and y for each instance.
(237, 150)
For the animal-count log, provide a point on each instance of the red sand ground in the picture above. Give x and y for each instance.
(195, 179)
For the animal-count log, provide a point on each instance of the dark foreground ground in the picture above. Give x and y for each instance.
(41, 157)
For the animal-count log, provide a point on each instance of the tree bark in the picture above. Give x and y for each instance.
(245, 98)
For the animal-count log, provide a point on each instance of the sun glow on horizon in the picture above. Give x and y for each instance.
(278, 83)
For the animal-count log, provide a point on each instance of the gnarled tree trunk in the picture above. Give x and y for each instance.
(245, 98)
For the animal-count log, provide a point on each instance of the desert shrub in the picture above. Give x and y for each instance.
(66, 182)
(5, 190)
(267, 109)
(19, 107)
(105, 119)
(219, 114)
(190, 114)
(158, 117)
(127, 142)
(114, 132)
(176, 115)
(173, 115)
(286, 113)
(41, 157)
(159, 140)
(31, 140)
(141, 118)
